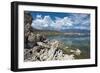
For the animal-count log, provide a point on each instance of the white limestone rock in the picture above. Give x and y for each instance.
(77, 52)
(68, 57)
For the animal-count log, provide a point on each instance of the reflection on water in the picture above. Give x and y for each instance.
(80, 42)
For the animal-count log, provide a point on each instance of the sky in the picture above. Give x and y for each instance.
(60, 21)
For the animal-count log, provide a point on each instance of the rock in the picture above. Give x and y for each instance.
(27, 54)
(44, 55)
(30, 45)
(35, 48)
(46, 41)
(66, 47)
(72, 51)
(43, 38)
(32, 37)
(40, 37)
(31, 40)
(49, 51)
(27, 29)
(58, 55)
(27, 18)
(43, 45)
(54, 45)
(77, 52)
(68, 57)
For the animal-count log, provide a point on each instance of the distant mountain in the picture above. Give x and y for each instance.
(76, 30)
(44, 30)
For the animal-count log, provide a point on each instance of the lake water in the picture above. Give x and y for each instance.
(80, 42)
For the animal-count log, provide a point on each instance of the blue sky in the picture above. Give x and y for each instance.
(60, 21)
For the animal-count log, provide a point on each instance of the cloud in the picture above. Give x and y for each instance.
(82, 19)
(62, 23)
(57, 24)
(39, 17)
(40, 23)
(75, 21)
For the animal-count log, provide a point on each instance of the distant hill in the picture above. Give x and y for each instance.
(45, 30)
(67, 30)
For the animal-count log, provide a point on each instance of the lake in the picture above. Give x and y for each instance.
(80, 42)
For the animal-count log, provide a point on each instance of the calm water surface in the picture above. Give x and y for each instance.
(80, 42)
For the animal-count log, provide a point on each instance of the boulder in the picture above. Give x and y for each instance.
(68, 57)
(40, 37)
(77, 52)
(53, 47)
(43, 45)
(32, 38)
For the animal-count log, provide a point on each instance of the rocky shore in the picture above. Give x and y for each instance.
(37, 47)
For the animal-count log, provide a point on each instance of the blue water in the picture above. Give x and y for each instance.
(80, 42)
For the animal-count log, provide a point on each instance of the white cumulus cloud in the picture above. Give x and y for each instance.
(57, 24)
